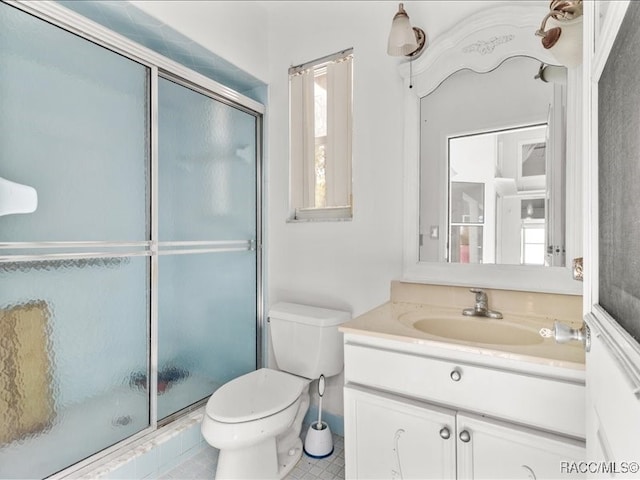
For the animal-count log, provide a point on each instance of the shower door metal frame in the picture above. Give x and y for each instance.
(159, 66)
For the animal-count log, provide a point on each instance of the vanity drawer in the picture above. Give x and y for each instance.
(541, 402)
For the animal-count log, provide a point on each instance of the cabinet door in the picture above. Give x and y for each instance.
(493, 449)
(395, 438)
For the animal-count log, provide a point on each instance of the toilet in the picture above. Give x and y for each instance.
(255, 420)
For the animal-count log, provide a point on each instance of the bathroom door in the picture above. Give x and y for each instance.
(207, 224)
(612, 288)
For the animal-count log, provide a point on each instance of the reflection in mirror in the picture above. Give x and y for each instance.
(510, 166)
(492, 150)
(466, 221)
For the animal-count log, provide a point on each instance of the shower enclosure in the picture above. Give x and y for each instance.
(130, 279)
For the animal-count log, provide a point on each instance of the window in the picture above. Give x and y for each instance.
(532, 164)
(320, 128)
(533, 244)
(533, 231)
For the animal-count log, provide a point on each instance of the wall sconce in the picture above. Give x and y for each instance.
(552, 74)
(564, 38)
(405, 40)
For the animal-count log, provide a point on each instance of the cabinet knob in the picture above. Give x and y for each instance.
(465, 436)
(445, 433)
(456, 375)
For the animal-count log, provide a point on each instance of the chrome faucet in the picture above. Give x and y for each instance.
(481, 308)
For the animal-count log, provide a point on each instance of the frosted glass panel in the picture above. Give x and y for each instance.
(74, 342)
(207, 167)
(74, 123)
(207, 325)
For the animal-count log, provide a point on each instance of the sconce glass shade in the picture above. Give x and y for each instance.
(404, 40)
(568, 49)
(552, 74)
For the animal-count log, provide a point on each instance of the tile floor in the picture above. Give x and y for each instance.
(203, 466)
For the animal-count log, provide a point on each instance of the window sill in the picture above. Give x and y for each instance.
(329, 214)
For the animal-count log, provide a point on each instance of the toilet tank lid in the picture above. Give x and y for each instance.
(320, 317)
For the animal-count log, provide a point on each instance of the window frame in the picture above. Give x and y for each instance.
(532, 224)
(338, 174)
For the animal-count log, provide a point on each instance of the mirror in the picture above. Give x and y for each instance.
(491, 181)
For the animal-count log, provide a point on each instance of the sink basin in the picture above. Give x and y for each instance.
(473, 330)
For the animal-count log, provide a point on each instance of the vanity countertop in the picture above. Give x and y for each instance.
(384, 322)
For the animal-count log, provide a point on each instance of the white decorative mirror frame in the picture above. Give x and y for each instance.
(481, 43)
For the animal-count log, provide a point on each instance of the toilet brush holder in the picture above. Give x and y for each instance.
(318, 443)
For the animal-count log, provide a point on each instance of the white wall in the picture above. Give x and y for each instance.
(344, 265)
(338, 264)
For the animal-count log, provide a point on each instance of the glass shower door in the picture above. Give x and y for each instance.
(207, 230)
(74, 247)
(97, 261)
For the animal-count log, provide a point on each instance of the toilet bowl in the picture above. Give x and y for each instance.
(255, 420)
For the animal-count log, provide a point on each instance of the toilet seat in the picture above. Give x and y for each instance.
(253, 396)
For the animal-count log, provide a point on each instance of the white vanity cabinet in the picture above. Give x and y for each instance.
(492, 449)
(390, 437)
(413, 411)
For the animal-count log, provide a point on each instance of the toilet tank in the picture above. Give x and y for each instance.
(306, 340)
